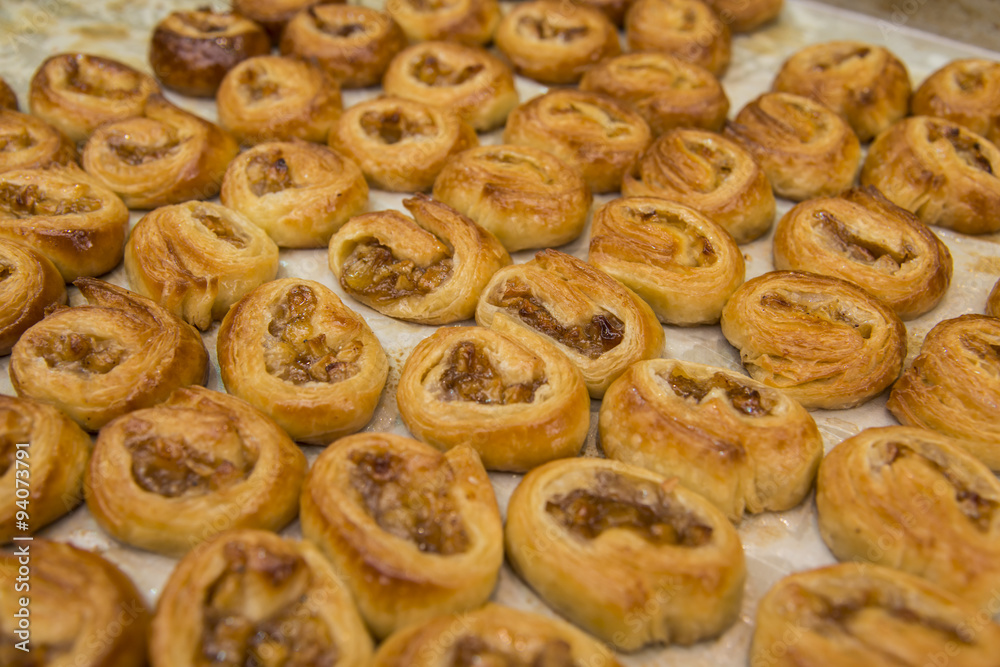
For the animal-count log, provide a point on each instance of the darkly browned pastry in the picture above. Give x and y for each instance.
(555, 42)
(805, 149)
(8, 100)
(865, 84)
(946, 174)
(687, 29)
(191, 51)
(966, 92)
(711, 174)
(993, 302)
(274, 15)
(863, 237)
(354, 44)
(470, 22)
(746, 15)
(28, 142)
(666, 91)
(29, 284)
(76, 93)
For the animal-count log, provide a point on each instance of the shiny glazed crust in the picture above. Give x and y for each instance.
(30, 285)
(746, 15)
(993, 302)
(274, 15)
(28, 142)
(687, 29)
(966, 92)
(8, 100)
(470, 22)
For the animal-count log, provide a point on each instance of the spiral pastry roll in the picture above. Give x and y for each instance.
(95, 362)
(746, 15)
(743, 445)
(471, 81)
(553, 42)
(966, 92)
(589, 131)
(294, 351)
(401, 145)
(493, 635)
(8, 100)
(269, 98)
(28, 142)
(353, 44)
(945, 174)
(865, 84)
(862, 237)
(524, 196)
(469, 22)
(414, 533)
(274, 15)
(825, 342)
(953, 385)
(198, 259)
(190, 51)
(29, 285)
(559, 300)
(687, 29)
(993, 302)
(67, 216)
(84, 610)
(165, 156)
(76, 93)
(681, 263)
(250, 597)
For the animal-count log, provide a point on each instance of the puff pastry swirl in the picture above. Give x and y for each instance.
(966, 92)
(746, 15)
(29, 285)
(28, 142)
(687, 29)
(274, 15)
(470, 22)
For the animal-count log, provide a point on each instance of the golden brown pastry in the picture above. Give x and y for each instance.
(353, 44)
(559, 300)
(429, 269)
(939, 170)
(710, 173)
(526, 197)
(953, 386)
(862, 237)
(569, 524)
(67, 216)
(805, 149)
(274, 15)
(966, 92)
(95, 362)
(493, 635)
(555, 42)
(865, 84)
(82, 610)
(198, 259)
(680, 262)
(613, 9)
(8, 100)
(76, 93)
(687, 29)
(401, 145)
(470, 22)
(666, 91)
(589, 131)
(29, 285)
(165, 156)
(250, 597)
(825, 342)
(746, 15)
(28, 142)
(414, 533)
(295, 352)
(269, 98)
(190, 51)
(858, 614)
(993, 302)
(516, 405)
(469, 80)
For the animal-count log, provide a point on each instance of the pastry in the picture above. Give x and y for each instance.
(554, 42)
(865, 84)
(95, 362)
(825, 342)
(190, 51)
(667, 91)
(29, 285)
(353, 44)
(198, 259)
(589, 131)
(944, 173)
(250, 597)
(470, 22)
(743, 445)
(428, 269)
(469, 80)
(295, 352)
(524, 196)
(953, 385)
(76, 93)
(274, 15)
(559, 300)
(165, 156)
(746, 15)
(28, 142)
(710, 173)
(625, 553)
(966, 92)
(413, 532)
(687, 29)
(8, 100)
(680, 262)
(993, 302)
(67, 216)
(401, 145)
(517, 406)
(614, 9)
(862, 237)
(269, 98)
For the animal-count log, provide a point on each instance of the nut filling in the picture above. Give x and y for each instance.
(25, 201)
(472, 651)
(137, 155)
(685, 247)
(102, 80)
(987, 351)
(172, 468)
(818, 307)
(82, 353)
(744, 399)
(597, 118)
(372, 271)
(470, 376)
(268, 173)
(966, 148)
(12, 142)
(430, 71)
(220, 228)
(256, 85)
(858, 249)
(542, 29)
(391, 127)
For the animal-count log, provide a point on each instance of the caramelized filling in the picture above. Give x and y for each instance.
(720, 162)
(432, 72)
(688, 248)
(6, 270)
(25, 201)
(803, 123)
(136, 154)
(857, 248)
(429, 5)
(542, 28)
(268, 174)
(16, 141)
(986, 351)
(966, 147)
(207, 22)
(471, 651)
(838, 59)
(335, 29)
(374, 272)
(100, 81)
(83, 354)
(14, 428)
(676, 79)
(612, 125)
(743, 398)
(471, 377)
(970, 81)
(825, 309)
(256, 85)
(394, 126)
(171, 468)
(518, 162)
(220, 228)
